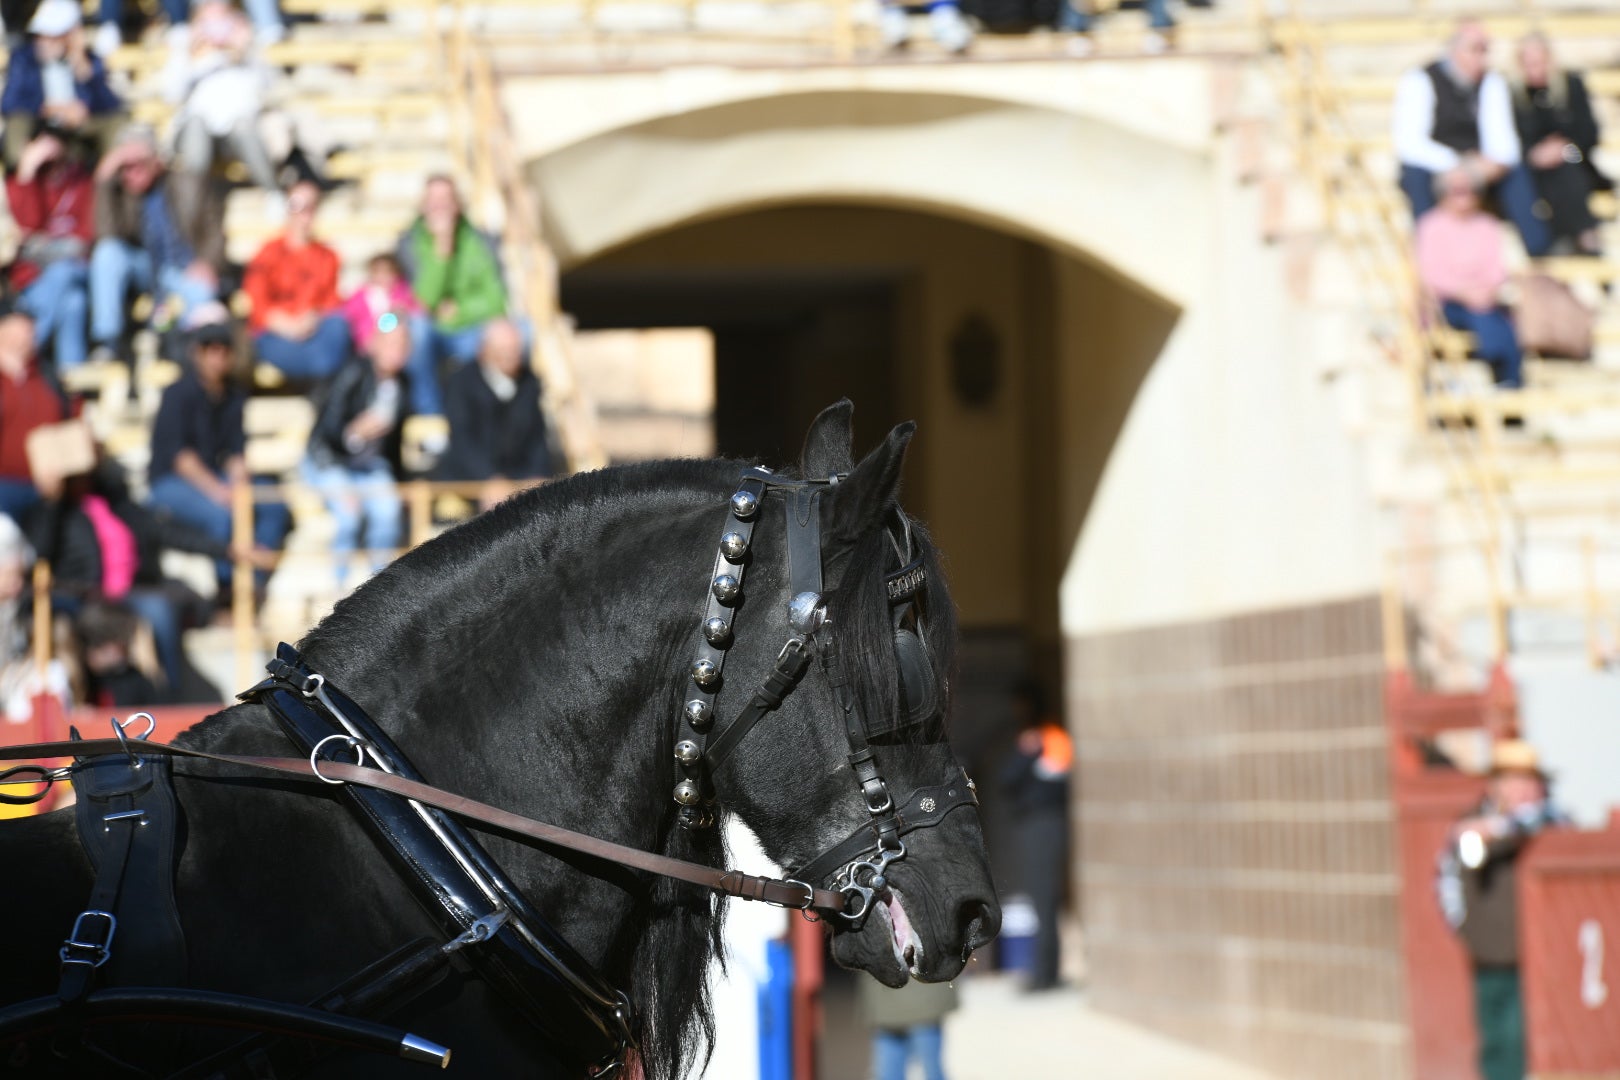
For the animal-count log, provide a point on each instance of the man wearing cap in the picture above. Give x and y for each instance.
(198, 441)
(54, 79)
(1477, 896)
(156, 229)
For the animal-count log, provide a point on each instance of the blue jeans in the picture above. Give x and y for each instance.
(115, 266)
(1078, 20)
(360, 496)
(17, 497)
(891, 1049)
(315, 358)
(1498, 343)
(59, 300)
(176, 495)
(157, 610)
(1516, 192)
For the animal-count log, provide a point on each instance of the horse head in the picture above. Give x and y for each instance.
(852, 783)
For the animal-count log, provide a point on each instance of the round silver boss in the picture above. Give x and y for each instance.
(806, 613)
(716, 631)
(687, 752)
(699, 713)
(744, 504)
(733, 545)
(686, 793)
(726, 587)
(704, 673)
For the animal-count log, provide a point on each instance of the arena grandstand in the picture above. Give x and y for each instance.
(1292, 537)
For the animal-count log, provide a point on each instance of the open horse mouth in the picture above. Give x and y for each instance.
(907, 944)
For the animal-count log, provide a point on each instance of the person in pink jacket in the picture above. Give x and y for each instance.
(1459, 263)
(385, 292)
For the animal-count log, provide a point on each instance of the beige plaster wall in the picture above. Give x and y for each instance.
(1226, 484)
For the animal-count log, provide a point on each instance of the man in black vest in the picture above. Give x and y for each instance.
(1456, 114)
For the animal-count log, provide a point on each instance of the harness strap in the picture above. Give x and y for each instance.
(791, 894)
(922, 809)
(785, 675)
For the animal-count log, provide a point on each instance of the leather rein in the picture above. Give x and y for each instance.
(319, 770)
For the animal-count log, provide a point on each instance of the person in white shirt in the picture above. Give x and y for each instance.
(1457, 115)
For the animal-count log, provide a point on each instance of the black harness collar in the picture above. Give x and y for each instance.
(478, 908)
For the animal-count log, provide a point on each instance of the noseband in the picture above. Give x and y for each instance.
(860, 860)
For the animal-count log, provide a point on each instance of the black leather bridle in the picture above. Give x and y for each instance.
(859, 862)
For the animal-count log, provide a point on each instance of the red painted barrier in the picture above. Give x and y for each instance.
(1569, 953)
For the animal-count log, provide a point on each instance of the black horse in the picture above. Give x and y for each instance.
(537, 658)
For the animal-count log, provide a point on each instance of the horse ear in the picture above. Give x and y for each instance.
(860, 501)
(828, 445)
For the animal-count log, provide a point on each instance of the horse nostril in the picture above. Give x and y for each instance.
(979, 922)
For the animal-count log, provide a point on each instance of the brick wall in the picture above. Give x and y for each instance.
(1236, 864)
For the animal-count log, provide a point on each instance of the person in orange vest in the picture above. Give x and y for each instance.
(1035, 781)
(1477, 895)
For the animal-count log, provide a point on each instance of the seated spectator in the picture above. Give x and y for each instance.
(292, 282)
(497, 424)
(385, 292)
(266, 16)
(1076, 16)
(946, 23)
(21, 680)
(355, 450)
(197, 446)
(1459, 262)
(53, 79)
(102, 545)
(51, 195)
(106, 634)
(27, 400)
(159, 231)
(1456, 115)
(455, 272)
(218, 81)
(1559, 132)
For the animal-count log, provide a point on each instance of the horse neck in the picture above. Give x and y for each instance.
(542, 672)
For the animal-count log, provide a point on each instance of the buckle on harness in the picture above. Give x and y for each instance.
(809, 897)
(99, 947)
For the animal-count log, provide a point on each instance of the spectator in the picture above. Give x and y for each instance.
(1455, 115)
(53, 79)
(946, 22)
(156, 230)
(1476, 893)
(1459, 263)
(385, 292)
(102, 545)
(22, 681)
(216, 78)
(1035, 779)
(456, 275)
(497, 423)
(906, 1025)
(51, 197)
(266, 16)
(292, 282)
(1076, 16)
(27, 400)
(106, 635)
(197, 446)
(1559, 133)
(354, 451)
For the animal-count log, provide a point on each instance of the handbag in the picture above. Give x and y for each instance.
(1550, 320)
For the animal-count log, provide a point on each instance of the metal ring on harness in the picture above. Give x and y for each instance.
(315, 752)
(123, 739)
(312, 685)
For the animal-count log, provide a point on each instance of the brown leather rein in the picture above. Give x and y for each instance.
(791, 894)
